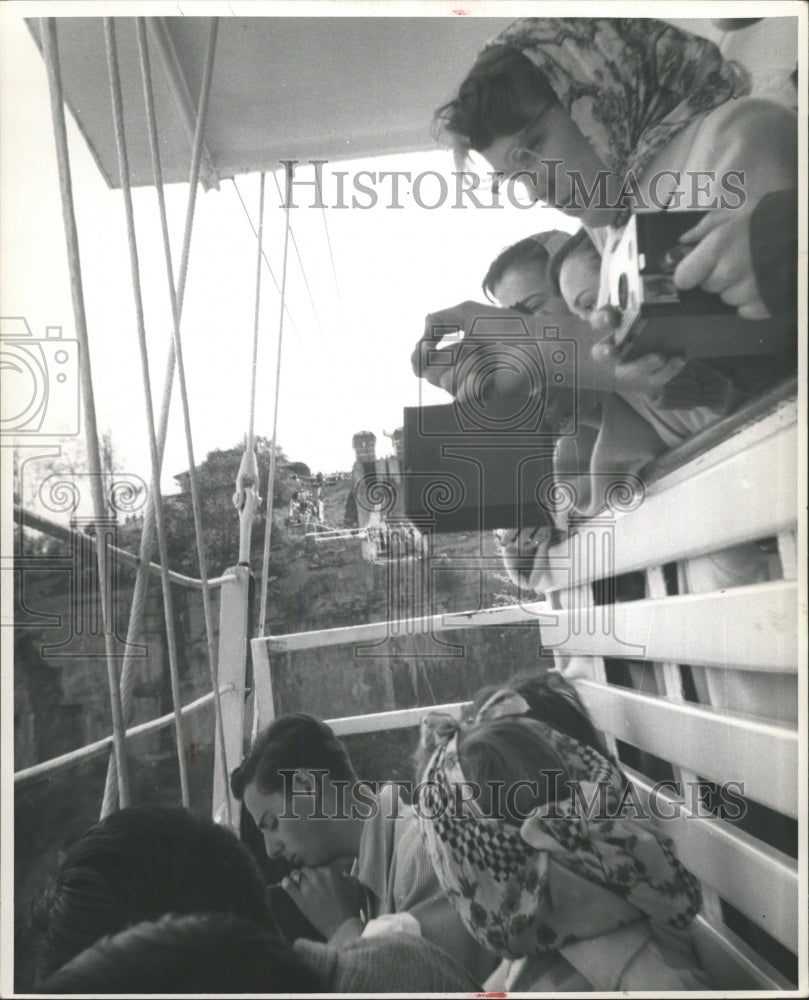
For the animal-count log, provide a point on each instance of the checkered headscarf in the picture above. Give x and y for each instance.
(564, 877)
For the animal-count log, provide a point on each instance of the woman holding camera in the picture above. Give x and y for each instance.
(602, 116)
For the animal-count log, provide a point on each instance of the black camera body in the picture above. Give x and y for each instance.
(472, 466)
(457, 480)
(656, 316)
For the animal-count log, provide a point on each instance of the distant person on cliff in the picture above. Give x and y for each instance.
(354, 871)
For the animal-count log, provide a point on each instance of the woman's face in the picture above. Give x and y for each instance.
(579, 280)
(558, 166)
(526, 285)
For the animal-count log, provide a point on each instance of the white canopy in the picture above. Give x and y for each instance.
(331, 88)
(283, 87)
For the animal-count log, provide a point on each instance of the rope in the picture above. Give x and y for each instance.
(50, 49)
(148, 529)
(333, 269)
(263, 252)
(256, 312)
(265, 562)
(143, 47)
(297, 251)
(157, 498)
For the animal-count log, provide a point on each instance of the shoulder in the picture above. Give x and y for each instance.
(749, 121)
(747, 110)
(749, 145)
(401, 963)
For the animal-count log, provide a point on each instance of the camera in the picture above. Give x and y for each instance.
(475, 464)
(503, 375)
(40, 381)
(657, 317)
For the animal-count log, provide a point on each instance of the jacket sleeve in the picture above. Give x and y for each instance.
(774, 250)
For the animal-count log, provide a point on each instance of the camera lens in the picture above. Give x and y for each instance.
(623, 290)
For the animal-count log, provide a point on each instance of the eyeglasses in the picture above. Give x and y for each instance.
(523, 154)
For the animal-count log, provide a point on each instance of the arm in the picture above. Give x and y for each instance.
(507, 355)
(774, 251)
(757, 141)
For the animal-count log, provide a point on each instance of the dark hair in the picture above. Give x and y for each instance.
(290, 743)
(507, 751)
(527, 251)
(200, 953)
(502, 93)
(552, 701)
(578, 239)
(136, 865)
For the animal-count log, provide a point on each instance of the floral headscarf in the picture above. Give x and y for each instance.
(564, 877)
(631, 84)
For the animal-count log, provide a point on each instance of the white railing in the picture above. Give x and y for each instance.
(741, 488)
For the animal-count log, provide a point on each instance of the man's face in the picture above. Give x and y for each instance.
(526, 285)
(288, 826)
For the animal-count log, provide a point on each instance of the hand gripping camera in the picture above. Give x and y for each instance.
(657, 317)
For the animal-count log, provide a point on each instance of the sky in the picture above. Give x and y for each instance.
(348, 336)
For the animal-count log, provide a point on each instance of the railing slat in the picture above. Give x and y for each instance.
(758, 880)
(513, 614)
(724, 748)
(751, 628)
(403, 718)
(234, 629)
(737, 500)
(733, 965)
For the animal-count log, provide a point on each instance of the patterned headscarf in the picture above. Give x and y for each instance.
(630, 85)
(563, 877)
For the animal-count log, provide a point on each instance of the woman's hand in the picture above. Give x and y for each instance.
(721, 261)
(328, 896)
(524, 552)
(647, 374)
